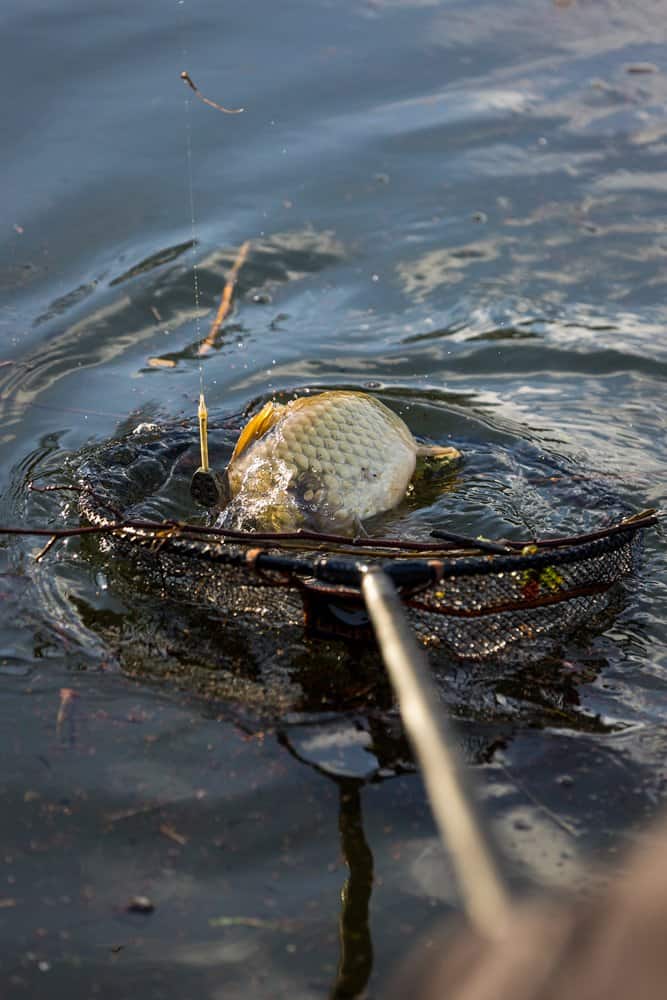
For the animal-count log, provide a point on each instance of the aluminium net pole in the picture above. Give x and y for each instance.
(483, 889)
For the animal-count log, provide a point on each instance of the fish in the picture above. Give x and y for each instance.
(325, 462)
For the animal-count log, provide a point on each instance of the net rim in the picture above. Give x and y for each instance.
(326, 557)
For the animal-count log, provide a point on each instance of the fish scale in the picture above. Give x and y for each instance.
(327, 462)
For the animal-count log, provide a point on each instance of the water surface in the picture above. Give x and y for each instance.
(457, 206)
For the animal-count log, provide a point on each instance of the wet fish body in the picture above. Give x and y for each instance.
(327, 461)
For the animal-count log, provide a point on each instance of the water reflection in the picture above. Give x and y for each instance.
(355, 961)
(153, 261)
(445, 267)
(93, 325)
(334, 747)
(356, 946)
(516, 152)
(504, 489)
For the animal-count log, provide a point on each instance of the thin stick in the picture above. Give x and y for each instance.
(184, 529)
(483, 544)
(218, 107)
(55, 488)
(225, 299)
(42, 552)
(88, 529)
(484, 891)
(642, 518)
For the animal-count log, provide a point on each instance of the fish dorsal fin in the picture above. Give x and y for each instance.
(257, 427)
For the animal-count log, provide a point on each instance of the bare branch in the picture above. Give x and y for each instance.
(227, 111)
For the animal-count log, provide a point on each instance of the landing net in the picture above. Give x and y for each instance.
(470, 598)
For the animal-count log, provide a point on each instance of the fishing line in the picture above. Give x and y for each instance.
(202, 412)
(207, 487)
(191, 204)
(227, 294)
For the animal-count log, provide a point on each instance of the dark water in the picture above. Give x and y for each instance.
(457, 205)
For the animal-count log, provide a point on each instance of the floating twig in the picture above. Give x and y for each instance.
(168, 831)
(225, 299)
(227, 111)
(42, 552)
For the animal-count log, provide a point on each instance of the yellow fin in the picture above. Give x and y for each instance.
(257, 427)
(437, 451)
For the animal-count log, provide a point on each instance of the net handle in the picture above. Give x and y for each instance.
(475, 856)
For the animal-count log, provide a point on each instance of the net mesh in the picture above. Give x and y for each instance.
(476, 616)
(466, 601)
